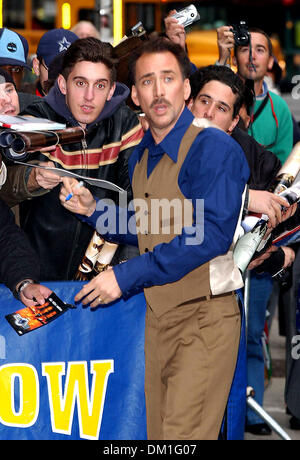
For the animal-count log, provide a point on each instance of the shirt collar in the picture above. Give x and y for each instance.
(170, 144)
(264, 93)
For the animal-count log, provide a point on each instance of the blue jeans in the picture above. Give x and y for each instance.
(260, 291)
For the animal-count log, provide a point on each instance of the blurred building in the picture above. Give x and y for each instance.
(115, 18)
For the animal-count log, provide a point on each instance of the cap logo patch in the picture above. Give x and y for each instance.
(63, 44)
(12, 47)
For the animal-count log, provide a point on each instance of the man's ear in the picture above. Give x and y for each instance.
(186, 89)
(134, 96)
(36, 66)
(111, 92)
(62, 84)
(233, 124)
(270, 63)
(190, 104)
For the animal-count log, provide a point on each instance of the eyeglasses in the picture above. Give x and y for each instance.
(12, 69)
(16, 69)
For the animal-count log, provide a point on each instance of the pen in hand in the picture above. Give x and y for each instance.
(80, 184)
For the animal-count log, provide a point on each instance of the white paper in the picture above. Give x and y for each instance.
(90, 180)
(27, 123)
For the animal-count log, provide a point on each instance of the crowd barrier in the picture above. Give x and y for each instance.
(79, 377)
(82, 375)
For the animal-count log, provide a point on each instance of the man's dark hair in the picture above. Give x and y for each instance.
(262, 32)
(222, 74)
(92, 50)
(160, 45)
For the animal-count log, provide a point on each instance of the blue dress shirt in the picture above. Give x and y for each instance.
(215, 170)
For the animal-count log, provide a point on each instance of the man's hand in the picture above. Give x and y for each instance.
(102, 289)
(175, 31)
(268, 203)
(289, 256)
(43, 178)
(225, 40)
(82, 201)
(255, 263)
(34, 294)
(289, 212)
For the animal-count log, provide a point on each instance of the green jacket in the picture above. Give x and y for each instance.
(273, 128)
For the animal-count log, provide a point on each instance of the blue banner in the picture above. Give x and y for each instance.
(78, 377)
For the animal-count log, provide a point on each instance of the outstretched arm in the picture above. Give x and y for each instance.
(225, 40)
(175, 31)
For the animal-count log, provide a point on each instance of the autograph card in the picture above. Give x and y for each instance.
(29, 318)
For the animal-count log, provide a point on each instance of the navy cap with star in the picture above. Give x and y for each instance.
(53, 43)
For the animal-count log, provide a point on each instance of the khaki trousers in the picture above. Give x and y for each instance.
(190, 358)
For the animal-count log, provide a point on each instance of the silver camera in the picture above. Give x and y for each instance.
(187, 16)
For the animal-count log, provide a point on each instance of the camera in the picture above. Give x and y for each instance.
(138, 29)
(241, 34)
(187, 16)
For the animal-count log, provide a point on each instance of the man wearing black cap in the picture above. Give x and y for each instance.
(19, 267)
(51, 44)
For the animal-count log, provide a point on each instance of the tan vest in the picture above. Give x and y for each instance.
(163, 183)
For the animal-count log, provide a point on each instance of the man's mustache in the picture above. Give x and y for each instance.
(161, 100)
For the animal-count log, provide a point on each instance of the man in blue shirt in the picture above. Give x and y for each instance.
(188, 276)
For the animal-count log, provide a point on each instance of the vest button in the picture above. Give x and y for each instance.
(146, 195)
(146, 250)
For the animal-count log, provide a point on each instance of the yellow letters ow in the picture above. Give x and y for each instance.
(28, 393)
(90, 409)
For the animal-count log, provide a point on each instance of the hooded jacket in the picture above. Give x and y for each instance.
(59, 238)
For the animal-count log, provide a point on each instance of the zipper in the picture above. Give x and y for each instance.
(84, 149)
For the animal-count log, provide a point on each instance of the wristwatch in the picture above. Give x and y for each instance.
(21, 287)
